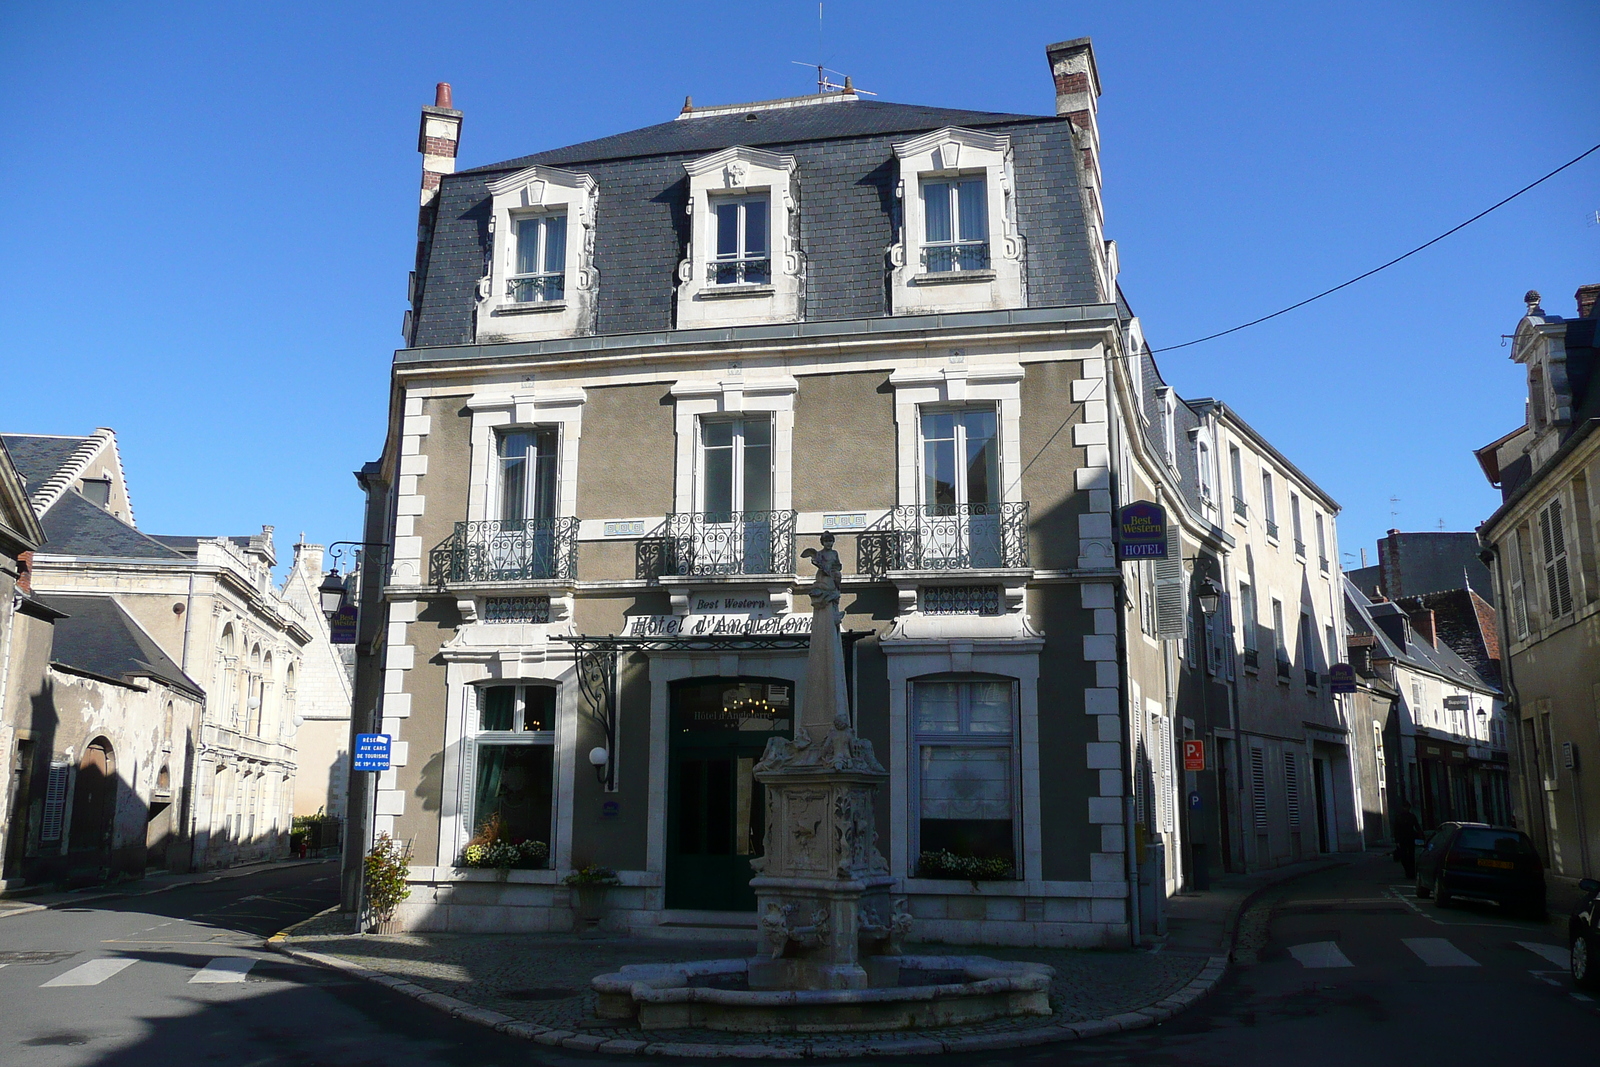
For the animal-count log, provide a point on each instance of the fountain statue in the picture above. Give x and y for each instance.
(829, 925)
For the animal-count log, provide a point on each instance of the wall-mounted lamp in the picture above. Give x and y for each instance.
(598, 758)
(1210, 597)
(331, 592)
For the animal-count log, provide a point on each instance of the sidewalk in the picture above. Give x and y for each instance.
(536, 986)
(39, 900)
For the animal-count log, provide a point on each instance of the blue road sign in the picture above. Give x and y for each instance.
(1194, 801)
(372, 752)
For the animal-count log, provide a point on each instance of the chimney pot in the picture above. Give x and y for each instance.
(1588, 297)
(1422, 621)
(441, 95)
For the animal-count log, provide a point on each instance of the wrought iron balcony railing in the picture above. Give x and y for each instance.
(728, 542)
(1322, 562)
(1299, 548)
(1311, 678)
(1252, 658)
(1240, 508)
(961, 255)
(946, 537)
(1272, 529)
(508, 550)
(1283, 669)
(537, 288)
(756, 270)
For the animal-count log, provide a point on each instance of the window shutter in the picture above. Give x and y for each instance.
(1258, 788)
(1171, 596)
(1519, 600)
(1141, 765)
(1291, 789)
(1557, 583)
(1168, 823)
(55, 802)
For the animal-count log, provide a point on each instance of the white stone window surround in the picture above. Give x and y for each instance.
(950, 153)
(468, 668)
(528, 193)
(742, 172)
(693, 400)
(496, 412)
(955, 385)
(1016, 659)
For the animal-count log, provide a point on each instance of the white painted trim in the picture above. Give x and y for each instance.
(733, 394)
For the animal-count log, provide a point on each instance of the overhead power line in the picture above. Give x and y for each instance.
(1386, 266)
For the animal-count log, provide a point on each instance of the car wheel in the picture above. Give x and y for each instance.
(1440, 896)
(1584, 970)
(1423, 892)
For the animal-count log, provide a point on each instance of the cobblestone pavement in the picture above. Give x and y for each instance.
(544, 978)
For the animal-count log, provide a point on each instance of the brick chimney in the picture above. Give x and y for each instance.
(1077, 98)
(1588, 296)
(437, 139)
(1423, 623)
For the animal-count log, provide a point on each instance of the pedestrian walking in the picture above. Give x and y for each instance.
(1406, 830)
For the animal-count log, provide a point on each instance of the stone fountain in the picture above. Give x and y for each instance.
(829, 926)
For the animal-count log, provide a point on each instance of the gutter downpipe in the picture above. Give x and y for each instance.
(1503, 617)
(1129, 828)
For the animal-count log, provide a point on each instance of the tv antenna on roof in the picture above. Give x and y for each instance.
(824, 83)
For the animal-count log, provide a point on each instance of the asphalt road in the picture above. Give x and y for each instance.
(1338, 968)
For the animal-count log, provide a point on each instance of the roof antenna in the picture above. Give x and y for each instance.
(824, 83)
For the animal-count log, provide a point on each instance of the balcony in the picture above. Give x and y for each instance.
(508, 550)
(749, 270)
(1322, 564)
(955, 256)
(1299, 548)
(1272, 529)
(1252, 659)
(718, 543)
(946, 537)
(1283, 670)
(1311, 678)
(1240, 508)
(537, 288)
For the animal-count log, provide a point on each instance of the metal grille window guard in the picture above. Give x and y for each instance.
(753, 270)
(947, 537)
(958, 255)
(1252, 659)
(516, 609)
(730, 542)
(1322, 562)
(1283, 669)
(506, 550)
(1300, 548)
(1272, 529)
(1311, 678)
(959, 599)
(1240, 508)
(537, 288)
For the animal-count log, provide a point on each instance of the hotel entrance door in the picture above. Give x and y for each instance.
(716, 810)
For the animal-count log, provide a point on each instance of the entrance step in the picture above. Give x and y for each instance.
(684, 925)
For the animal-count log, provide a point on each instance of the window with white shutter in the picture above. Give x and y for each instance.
(1161, 731)
(1553, 540)
(1171, 596)
(1141, 762)
(1291, 789)
(1258, 788)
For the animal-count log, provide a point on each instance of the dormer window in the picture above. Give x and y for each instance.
(541, 281)
(744, 253)
(744, 265)
(541, 258)
(956, 225)
(957, 247)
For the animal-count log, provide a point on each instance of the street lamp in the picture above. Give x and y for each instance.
(331, 592)
(1210, 597)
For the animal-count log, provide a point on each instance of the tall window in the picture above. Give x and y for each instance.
(1280, 646)
(735, 467)
(1247, 607)
(541, 272)
(1202, 458)
(960, 520)
(1294, 519)
(1322, 543)
(1236, 466)
(512, 762)
(528, 474)
(1269, 504)
(956, 225)
(744, 254)
(1308, 647)
(963, 744)
(1553, 540)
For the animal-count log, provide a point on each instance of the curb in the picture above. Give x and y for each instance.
(123, 894)
(823, 1047)
(1230, 929)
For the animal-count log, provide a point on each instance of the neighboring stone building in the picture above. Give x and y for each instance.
(642, 374)
(209, 606)
(1413, 564)
(1543, 540)
(322, 736)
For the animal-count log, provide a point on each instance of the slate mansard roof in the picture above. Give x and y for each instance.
(847, 177)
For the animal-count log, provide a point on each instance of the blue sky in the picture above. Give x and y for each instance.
(209, 209)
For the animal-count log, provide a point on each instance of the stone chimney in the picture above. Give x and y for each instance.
(437, 139)
(1588, 296)
(1422, 621)
(1077, 98)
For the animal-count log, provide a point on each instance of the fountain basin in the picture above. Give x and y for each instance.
(908, 992)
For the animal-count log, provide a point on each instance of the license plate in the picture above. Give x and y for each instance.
(1504, 865)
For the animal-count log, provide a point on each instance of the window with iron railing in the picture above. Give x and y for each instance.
(1311, 678)
(1252, 659)
(541, 259)
(744, 249)
(1240, 508)
(1322, 564)
(508, 550)
(1272, 529)
(729, 542)
(946, 537)
(1300, 548)
(956, 226)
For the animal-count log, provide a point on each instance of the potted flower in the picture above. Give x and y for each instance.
(490, 848)
(385, 872)
(590, 884)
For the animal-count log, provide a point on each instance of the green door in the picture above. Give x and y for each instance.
(715, 808)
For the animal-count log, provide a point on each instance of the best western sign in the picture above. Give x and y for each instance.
(1142, 532)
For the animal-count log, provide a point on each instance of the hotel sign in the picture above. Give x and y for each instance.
(1142, 532)
(716, 625)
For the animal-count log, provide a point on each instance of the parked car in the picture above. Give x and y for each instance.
(1583, 936)
(1482, 862)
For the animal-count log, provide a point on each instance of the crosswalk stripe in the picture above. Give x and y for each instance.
(92, 973)
(1554, 953)
(1320, 954)
(223, 969)
(1438, 952)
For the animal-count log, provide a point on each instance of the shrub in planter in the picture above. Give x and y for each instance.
(589, 884)
(386, 868)
(946, 864)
